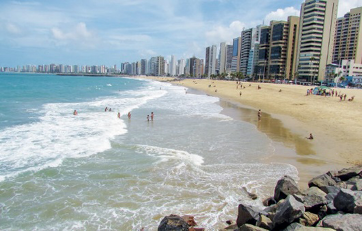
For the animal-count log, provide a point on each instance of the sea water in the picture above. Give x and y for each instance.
(95, 171)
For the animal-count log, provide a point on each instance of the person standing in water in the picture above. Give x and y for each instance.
(75, 112)
(152, 116)
(259, 114)
(148, 117)
(119, 115)
(129, 115)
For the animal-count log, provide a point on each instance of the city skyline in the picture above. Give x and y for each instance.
(111, 32)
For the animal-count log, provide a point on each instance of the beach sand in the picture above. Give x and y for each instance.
(289, 116)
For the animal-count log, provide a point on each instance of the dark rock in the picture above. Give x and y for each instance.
(347, 200)
(229, 222)
(322, 180)
(285, 186)
(264, 222)
(249, 227)
(288, 212)
(189, 220)
(269, 201)
(299, 198)
(247, 215)
(314, 198)
(347, 173)
(330, 189)
(347, 222)
(309, 219)
(299, 227)
(173, 222)
(356, 183)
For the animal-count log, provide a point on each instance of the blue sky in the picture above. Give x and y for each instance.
(108, 32)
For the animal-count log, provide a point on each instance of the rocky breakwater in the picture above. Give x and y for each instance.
(333, 201)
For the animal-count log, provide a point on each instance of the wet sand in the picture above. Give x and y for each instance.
(288, 116)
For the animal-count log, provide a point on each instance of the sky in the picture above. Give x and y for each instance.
(109, 32)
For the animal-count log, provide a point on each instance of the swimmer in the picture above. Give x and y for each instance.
(75, 112)
(106, 109)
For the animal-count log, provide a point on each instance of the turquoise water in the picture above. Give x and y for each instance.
(96, 171)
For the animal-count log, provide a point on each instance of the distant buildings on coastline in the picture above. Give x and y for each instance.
(313, 47)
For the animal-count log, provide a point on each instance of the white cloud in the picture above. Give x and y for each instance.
(281, 14)
(346, 5)
(78, 33)
(147, 53)
(224, 34)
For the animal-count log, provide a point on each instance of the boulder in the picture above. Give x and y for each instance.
(347, 200)
(299, 227)
(322, 180)
(330, 189)
(247, 215)
(346, 222)
(356, 183)
(314, 199)
(288, 212)
(264, 222)
(309, 219)
(269, 201)
(285, 186)
(347, 173)
(249, 227)
(173, 222)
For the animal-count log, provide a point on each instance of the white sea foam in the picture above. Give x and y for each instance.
(166, 154)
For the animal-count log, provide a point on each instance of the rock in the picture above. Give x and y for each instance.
(269, 201)
(347, 173)
(299, 227)
(346, 222)
(322, 180)
(249, 227)
(299, 198)
(247, 215)
(232, 227)
(229, 222)
(253, 196)
(196, 229)
(347, 200)
(285, 186)
(330, 189)
(288, 212)
(309, 219)
(356, 183)
(264, 222)
(189, 220)
(314, 199)
(173, 222)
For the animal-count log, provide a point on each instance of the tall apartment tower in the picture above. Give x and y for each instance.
(316, 38)
(160, 66)
(222, 58)
(348, 37)
(173, 66)
(246, 40)
(283, 48)
(210, 61)
(229, 57)
(235, 62)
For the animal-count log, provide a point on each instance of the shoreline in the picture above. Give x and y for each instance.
(289, 116)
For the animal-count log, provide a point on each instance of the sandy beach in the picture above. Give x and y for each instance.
(289, 116)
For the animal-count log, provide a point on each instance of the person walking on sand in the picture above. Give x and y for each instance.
(152, 116)
(259, 114)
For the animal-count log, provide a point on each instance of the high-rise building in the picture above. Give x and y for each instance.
(181, 67)
(173, 66)
(160, 66)
(143, 66)
(222, 58)
(229, 57)
(348, 37)
(210, 61)
(235, 62)
(283, 48)
(316, 38)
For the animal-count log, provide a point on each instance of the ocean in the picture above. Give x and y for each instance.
(95, 171)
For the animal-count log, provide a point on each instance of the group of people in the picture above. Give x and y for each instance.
(148, 117)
